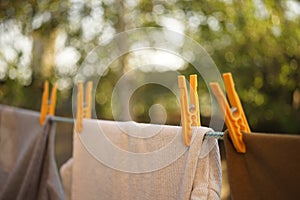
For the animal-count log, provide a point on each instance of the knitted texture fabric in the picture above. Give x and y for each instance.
(66, 176)
(193, 174)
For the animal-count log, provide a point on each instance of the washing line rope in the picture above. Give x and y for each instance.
(214, 134)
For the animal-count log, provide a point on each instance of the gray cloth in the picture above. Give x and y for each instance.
(27, 165)
(268, 170)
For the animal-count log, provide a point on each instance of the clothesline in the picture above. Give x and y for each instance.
(215, 134)
(62, 119)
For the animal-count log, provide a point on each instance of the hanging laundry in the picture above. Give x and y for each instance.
(269, 169)
(27, 165)
(124, 160)
(66, 177)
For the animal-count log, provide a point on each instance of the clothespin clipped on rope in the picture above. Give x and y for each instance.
(190, 116)
(84, 109)
(236, 121)
(48, 106)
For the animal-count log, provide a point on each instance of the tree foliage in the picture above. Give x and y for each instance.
(258, 41)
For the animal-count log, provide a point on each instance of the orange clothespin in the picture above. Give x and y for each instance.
(236, 121)
(190, 116)
(83, 111)
(48, 107)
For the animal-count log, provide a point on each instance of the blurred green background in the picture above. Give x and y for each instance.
(257, 41)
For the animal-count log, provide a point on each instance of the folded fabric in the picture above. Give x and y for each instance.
(66, 176)
(27, 165)
(268, 170)
(126, 160)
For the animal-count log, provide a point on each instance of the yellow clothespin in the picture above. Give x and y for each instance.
(48, 107)
(83, 111)
(190, 116)
(236, 121)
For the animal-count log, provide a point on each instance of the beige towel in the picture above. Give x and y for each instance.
(27, 164)
(66, 176)
(108, 169)
(268, 170)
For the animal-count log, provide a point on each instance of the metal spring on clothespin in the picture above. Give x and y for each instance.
(84, 109)
(48, 106)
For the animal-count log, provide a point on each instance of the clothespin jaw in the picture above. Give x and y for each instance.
(236, 121)
(235, 101)
(189, 117)
(88, 100)
(194, 99)
(185, 115)
(81, 110)
(230, 121)
(46, 106)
